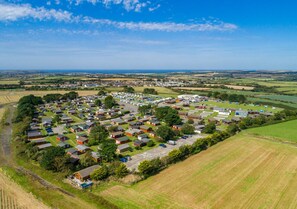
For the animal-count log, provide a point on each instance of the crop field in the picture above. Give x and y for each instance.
(14, 96)
(12, 196)
(242, 172)
(2, 82)
(283, 131)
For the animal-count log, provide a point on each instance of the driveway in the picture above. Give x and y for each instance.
(159, 152)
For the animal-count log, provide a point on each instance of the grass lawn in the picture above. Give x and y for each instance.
(241, 172)
(284, 131)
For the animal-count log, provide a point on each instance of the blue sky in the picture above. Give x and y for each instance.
(148, 34)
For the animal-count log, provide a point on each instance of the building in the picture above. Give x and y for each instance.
(123, 148)
(84, 174)
(82, 140)
(145, 129)
(122, 140)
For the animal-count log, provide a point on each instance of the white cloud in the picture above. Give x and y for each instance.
(13, 12)
(165, 26)
(128, 5)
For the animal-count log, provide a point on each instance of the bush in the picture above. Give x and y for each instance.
(100, 173)
(121, 171)
(150, 143)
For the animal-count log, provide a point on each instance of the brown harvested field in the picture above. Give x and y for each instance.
(192, 88)
(12, 196)
(241, 172)
(240, 87)
(235, 87)
(14, 96)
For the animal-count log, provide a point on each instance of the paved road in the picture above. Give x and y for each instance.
(130, 107)
(159, 152)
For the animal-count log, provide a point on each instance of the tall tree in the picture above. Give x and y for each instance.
(109, 102)
(97, 135)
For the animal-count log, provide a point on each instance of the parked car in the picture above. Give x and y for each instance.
(162, 145)
(123, 160)
(184, 137)
(171, 142)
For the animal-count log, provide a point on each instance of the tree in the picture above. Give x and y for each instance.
(161, 112)
(100, 173)
(87, 160)
(121, 171)
(57, 119)
(168, 115)
(98, 102)
(109, 102)
(150, 91)
(108, 150)
(150, 143)
(166, 133)
(52, 97)
(129, 89)
(148, 168)
(209, 128)
(97, 135)
(175, 156)
(101, 93)
(172, 118)
(70, 95)
(190, 121)
(233, 129)
(48, 158)
(187, 129)
(145, 109)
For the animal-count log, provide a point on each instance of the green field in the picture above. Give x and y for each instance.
(284, 131)
(242, 106)
(244, 171)
(284, 98)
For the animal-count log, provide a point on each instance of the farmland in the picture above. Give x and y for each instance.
(284, 131)
(242, 172)
(14, 96)
(12, 196)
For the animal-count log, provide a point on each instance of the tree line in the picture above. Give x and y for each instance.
(150, 167)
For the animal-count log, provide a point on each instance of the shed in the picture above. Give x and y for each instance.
(84, 174)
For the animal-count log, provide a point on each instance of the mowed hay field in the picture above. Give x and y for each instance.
(12, 196)
(241, 172)
(283, 131)
(14, 96)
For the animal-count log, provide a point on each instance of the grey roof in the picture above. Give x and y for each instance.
(87, 171)
(43, 146)
(81, 147)
(123, 146)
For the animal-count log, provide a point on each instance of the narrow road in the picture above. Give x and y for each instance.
(6, 135)
(6, 155)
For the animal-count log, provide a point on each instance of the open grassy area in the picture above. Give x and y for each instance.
(241, 106)
(283, 131)
(242, 172)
